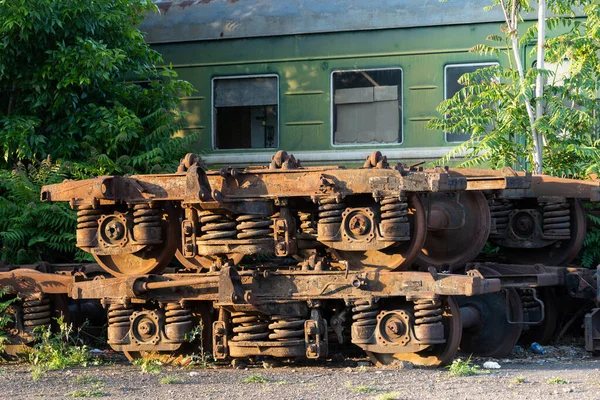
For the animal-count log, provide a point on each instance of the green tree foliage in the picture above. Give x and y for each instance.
(79, 84)
(492, 104)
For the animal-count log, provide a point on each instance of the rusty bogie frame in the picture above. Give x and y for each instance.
(274, 259)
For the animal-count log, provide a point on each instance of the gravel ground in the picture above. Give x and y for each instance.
(525, 375)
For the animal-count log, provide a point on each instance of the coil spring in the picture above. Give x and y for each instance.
(175, 313)
(394, 209)
(528, 301)
(147, 215)
(500, 211)
(87, 217)
(428, 311)
(285, 328)
(254, 226)
(118, 315)
(557, 219)
(330, 211)
(249, 327)
(36, 312)
(307, 223)
(364, 313)
(216, 226)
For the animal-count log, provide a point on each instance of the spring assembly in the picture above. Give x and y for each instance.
(528, 301)
(216, 226)
(36, 312)
(285, 328)
(330, 211)
(500, 211)
(364, 313)
(118, 315)
(428, 311)
(87, 217)
(147, 215)
(557, 219)
(175, 313)
(307, 223)
(249, 327)
(394, 209)
(254, 226)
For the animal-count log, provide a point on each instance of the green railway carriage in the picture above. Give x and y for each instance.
(327, 81)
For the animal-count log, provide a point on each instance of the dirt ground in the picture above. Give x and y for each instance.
(565, 372)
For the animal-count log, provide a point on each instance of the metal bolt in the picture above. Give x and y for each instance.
(146, 329)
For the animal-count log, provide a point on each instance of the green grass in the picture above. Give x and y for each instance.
(170, 380)
(464, 368)
(558, 381)
(364, 389)
(255, 379)
(148, 365)
(96, 391)
(519, 379)
(389, 396)
(86, 379)
(59, 350)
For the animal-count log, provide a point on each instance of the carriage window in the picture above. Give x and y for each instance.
(245, 112)
(367, 107)
(452, 74)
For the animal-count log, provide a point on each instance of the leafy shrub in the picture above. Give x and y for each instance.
(59, 350)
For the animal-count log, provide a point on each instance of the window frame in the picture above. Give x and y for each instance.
(213, 113)
(332, 105)
(469, 64)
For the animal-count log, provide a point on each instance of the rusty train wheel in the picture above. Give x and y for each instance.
(436, 355)
(151, 260)
(455, 247)
(492, 335)
(398, 257)
(561, 252)
(184, 356)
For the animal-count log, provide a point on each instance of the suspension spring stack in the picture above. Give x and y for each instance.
(178, 322)
(119, 323)
(500, 210)
(286, 329)
(394, 218)
(216, 226)
(147, 223)
(87, 225)
(557, 220)
(36, 312)
(307, 223)
(364, 320)
(330, 218)
(530, 305)
(254, 226)
(249, 327)
(428, 320)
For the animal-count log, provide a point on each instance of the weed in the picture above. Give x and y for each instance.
(255, 379)
(149, 365)
(361, 389)
(86, 379)
(557, 381)
(364, 389)
(6, 318)
(362, 369)
(96, 391)
(201, 359)
(389, 396)
(519, 379)
(170, 380)
(464, 368)
(58, 350)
